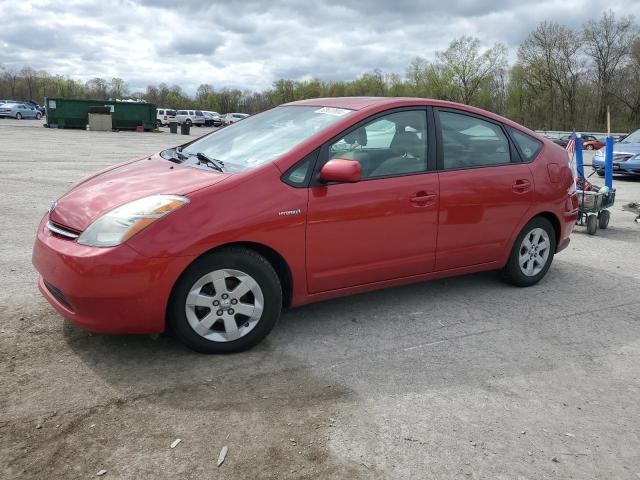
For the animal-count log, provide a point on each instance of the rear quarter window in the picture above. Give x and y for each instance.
(528, 146)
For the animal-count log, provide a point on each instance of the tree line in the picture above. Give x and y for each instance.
(562, 79)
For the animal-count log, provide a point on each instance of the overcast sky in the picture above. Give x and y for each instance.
(251, 43)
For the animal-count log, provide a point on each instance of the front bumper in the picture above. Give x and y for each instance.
(629, 167)
(106, 290)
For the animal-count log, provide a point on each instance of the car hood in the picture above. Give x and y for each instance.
(124, 183)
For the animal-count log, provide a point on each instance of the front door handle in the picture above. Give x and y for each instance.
(521, 186)
(422, 199)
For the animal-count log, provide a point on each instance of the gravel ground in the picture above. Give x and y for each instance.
(459, 378)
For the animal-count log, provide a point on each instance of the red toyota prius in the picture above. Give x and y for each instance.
(308, 201)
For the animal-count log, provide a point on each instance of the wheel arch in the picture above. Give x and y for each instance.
(276, 260)
(555, 223)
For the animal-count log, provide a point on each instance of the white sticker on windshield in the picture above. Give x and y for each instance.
(337, 112)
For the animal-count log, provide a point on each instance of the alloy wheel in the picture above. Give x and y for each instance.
(534, 252)
(224, 305)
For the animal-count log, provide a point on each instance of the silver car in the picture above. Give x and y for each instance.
(626, 156)
(19, 111)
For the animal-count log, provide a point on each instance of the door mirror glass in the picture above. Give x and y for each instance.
(341, 170)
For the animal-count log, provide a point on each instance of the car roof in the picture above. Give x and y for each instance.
(383, 103)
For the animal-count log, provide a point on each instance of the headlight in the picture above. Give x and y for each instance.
(122, 223)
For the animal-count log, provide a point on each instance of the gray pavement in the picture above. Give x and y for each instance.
(459, 378)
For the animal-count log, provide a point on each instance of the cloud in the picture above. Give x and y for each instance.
(248, 44)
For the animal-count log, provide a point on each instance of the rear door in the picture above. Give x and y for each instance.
(384, 226)
(485, 190)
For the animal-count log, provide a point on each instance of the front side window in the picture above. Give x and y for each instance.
(262, 138)
(469, 142)
(394, 144)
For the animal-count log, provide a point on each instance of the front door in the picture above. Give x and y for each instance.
(384, 226)
(484, 191)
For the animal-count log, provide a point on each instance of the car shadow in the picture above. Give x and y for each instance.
(458, 324)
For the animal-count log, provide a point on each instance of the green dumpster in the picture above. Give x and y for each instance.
(71, 113)
(173, 127)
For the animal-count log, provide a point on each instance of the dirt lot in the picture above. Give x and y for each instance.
(458, 378)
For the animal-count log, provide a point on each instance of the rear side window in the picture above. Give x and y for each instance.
(469, 142)
(161, 112)
(528, 146)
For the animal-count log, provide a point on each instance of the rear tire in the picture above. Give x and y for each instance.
(532, 254)
(589, 147)
(188, 122)
(206, 295)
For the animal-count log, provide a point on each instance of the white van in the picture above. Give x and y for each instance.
(190, 117)
(164, 116)
(234, 117)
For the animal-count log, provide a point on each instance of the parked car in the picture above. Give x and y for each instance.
(230, 118)
(562, 140)
(35, 105)
(165, 116)
(590, 142)
(308, 201)
(626, 156)
(19, 111)
(190, 117)
(212, 119)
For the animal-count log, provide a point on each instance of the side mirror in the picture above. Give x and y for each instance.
(341, 170)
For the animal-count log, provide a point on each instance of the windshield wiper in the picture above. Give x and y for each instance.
(173, 155)
(212, 162)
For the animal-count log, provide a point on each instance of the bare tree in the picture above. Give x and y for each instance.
(550, 57)
(607, 42)
(469, 67)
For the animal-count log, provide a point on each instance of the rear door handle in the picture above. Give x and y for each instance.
(422, 199)
(521, 186)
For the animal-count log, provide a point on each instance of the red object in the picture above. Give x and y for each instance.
(592, 145)
(139, 128)
(344, 238)
(341, 170)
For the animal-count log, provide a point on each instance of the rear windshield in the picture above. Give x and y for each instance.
(264, 137)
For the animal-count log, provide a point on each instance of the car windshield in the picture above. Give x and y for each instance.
(632, 138)
(264, 137)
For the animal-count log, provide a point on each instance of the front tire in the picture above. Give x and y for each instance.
(38, 116)
(532, 254)
(18, 116)
(226, 301)
(589, 147)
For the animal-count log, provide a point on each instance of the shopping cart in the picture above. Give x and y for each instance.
(592, 209)
(593, 201)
